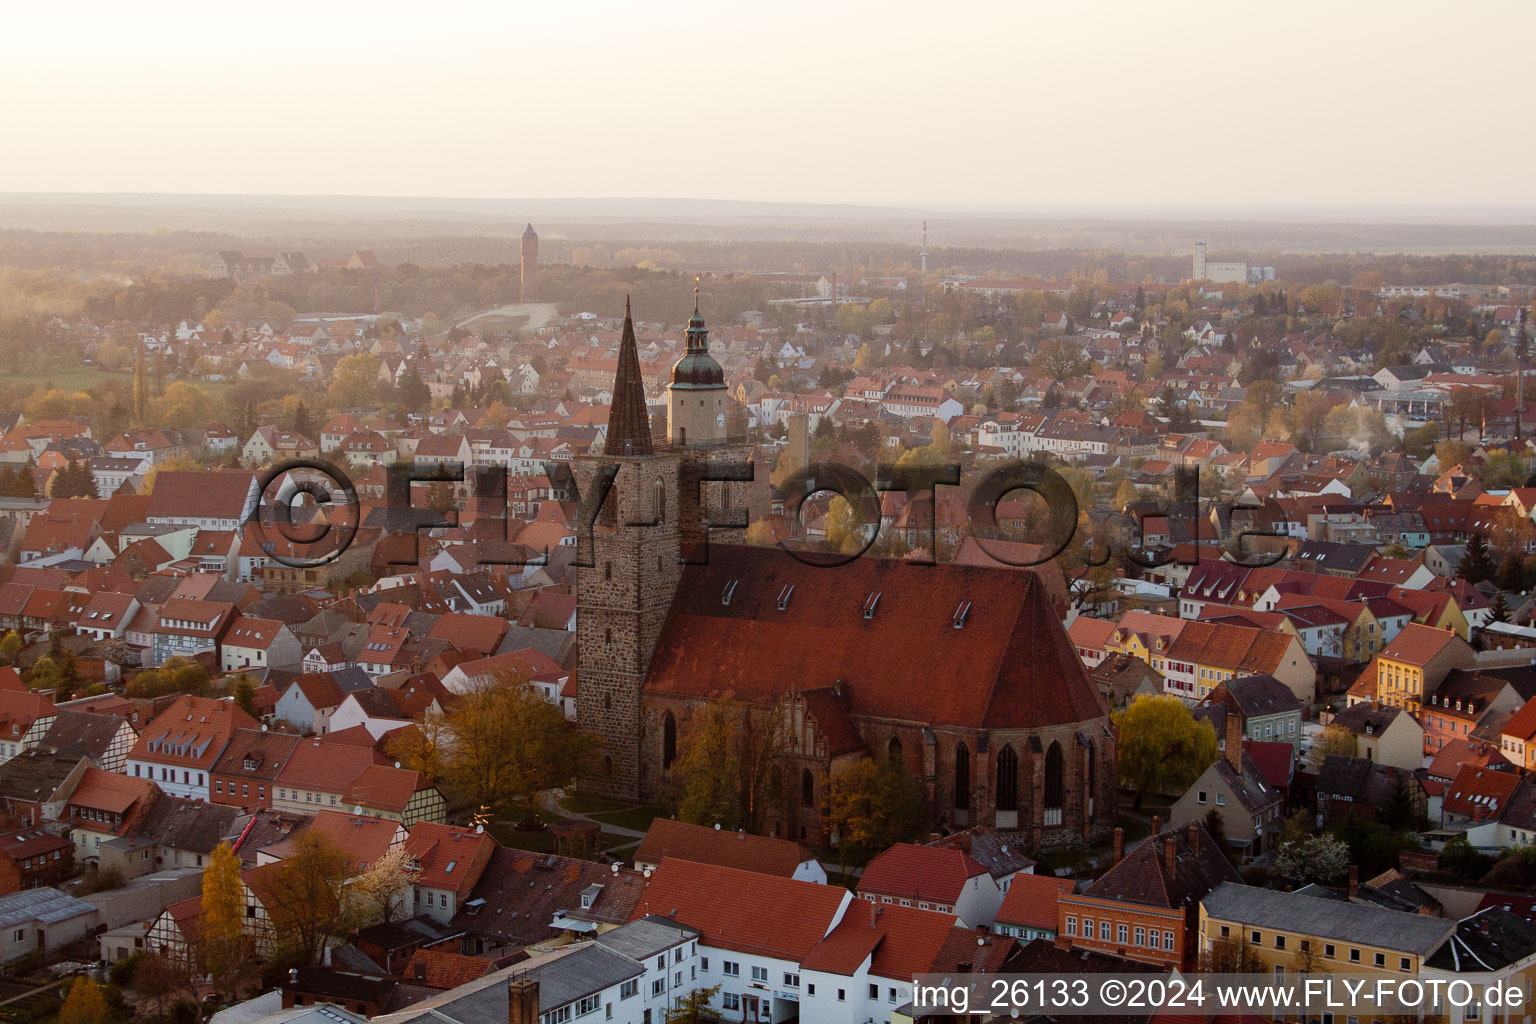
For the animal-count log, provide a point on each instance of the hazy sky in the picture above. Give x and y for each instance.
(1227, 102)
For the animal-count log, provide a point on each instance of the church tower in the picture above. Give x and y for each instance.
(644, 533)
(698, 403)
(624, 593)
(529, 247)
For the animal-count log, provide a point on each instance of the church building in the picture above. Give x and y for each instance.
(962, 674)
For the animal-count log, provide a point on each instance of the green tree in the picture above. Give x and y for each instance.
(1500, 610)
(1162, 747)
(1476, 565)
(1216, 828)
(140, 386)
(693, 1008)
(244, 692)
(303, 423)
(46, 674)
(412, 393)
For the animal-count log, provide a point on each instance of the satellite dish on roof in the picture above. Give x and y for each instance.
(615, 867)
(647, 872)
(357, 808)
(717, 826)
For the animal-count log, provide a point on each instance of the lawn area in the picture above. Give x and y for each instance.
(624, 849)
(74, 378)
(577, 804)
(534, 842)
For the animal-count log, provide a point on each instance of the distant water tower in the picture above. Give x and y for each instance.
(924, 255)
(1199, 268)
(530, 276)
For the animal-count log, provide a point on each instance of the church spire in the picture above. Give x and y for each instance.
(629, 422)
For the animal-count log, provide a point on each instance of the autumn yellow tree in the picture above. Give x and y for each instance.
(1333, 740)
(708, 769)
(226, 948)
(506, 744)
(183, 404)
(843, 522)
(870, 805)
(303, 897)
(85, 1004)
(354, 380)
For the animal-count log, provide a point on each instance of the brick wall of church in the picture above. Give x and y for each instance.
(930, 754)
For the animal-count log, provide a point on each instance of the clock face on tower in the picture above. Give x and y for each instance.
(720, 420)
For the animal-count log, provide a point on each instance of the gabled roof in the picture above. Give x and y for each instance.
(942, 644)
(668, 837)
(110, 792)
(928, 873)
(190, 825)
(743, 911)
(900, 942)
(363, 838)
(448, 857)
(1031, 901)
(191, 733)
(1419, 645)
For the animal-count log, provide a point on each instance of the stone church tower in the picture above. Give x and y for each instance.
(637, 549)
(530, 277)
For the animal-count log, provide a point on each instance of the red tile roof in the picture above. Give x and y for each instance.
(1031, 901)
(934, 874)
(1479, 793)
(668, 837)
(447, 856)
(110, 792)
(481, 633)
(383, 788)
(319, 764)
(191, 733)
(1418, 644)
(904, 941)
(1009, 665)
(742, 910)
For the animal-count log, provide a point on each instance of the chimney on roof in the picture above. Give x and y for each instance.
(1119, 846)
(1234, 749)
(1157, 824)
(1170, 855)
(1354, 881)
(523, 1001)
(1193, 835)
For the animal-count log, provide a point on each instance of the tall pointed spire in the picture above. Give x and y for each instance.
(629, 422)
